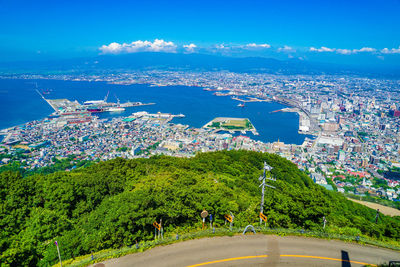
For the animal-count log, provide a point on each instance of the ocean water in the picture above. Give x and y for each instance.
(20, 103)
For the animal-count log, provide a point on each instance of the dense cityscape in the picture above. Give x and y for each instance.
(355, 123)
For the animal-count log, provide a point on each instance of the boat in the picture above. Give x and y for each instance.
(241, 105)
(95, 110)
(115, 109)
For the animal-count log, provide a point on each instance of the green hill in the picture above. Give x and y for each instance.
(114, 203)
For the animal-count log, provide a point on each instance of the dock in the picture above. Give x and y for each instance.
(134, 104)
(65, 106)
(250, 99)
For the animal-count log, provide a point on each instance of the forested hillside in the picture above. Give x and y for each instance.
(114, 203)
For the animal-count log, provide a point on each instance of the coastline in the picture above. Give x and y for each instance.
(269, 128)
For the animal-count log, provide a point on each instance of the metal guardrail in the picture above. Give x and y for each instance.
(96, 257)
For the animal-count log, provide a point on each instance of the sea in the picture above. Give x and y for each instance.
(20, 103)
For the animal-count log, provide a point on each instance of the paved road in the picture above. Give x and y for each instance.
(258, 250)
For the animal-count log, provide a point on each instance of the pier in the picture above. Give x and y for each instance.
(67, 107)
(250, 99)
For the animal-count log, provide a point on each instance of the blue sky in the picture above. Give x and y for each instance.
(327, 31)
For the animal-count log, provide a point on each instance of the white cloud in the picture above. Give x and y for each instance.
(285, 48)
(322, 49)
(391, 51)
(344, 51)
(158, 45)
(221, 46)
(190, 47)
(364, 49)
(385, 51)
(251, 46)
(113, 48)
(254, 45)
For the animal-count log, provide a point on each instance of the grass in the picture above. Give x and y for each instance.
(236, 123)
(230, 124)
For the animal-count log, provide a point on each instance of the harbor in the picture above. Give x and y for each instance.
(198, 105)
(67, 107)
(73, 112)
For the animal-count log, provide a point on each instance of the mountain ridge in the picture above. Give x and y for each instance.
(114, 203)
(200, 62)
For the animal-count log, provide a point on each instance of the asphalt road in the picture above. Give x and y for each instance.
(258, 250)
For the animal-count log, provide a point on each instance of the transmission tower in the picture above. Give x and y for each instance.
(263, 184)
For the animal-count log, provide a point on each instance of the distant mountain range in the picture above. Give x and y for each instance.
(201, 62)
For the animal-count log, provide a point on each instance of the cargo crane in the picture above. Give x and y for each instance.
(118, 103)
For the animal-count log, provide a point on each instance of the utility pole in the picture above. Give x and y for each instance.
(59, 256)
(263, 179)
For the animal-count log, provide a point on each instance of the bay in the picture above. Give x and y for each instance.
(20, 103)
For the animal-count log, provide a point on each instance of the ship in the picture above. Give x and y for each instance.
(115, 109)
(241, 105)
(94, 109)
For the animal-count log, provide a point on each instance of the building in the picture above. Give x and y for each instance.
(341, 155)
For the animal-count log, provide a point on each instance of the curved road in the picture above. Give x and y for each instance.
(257, 250)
